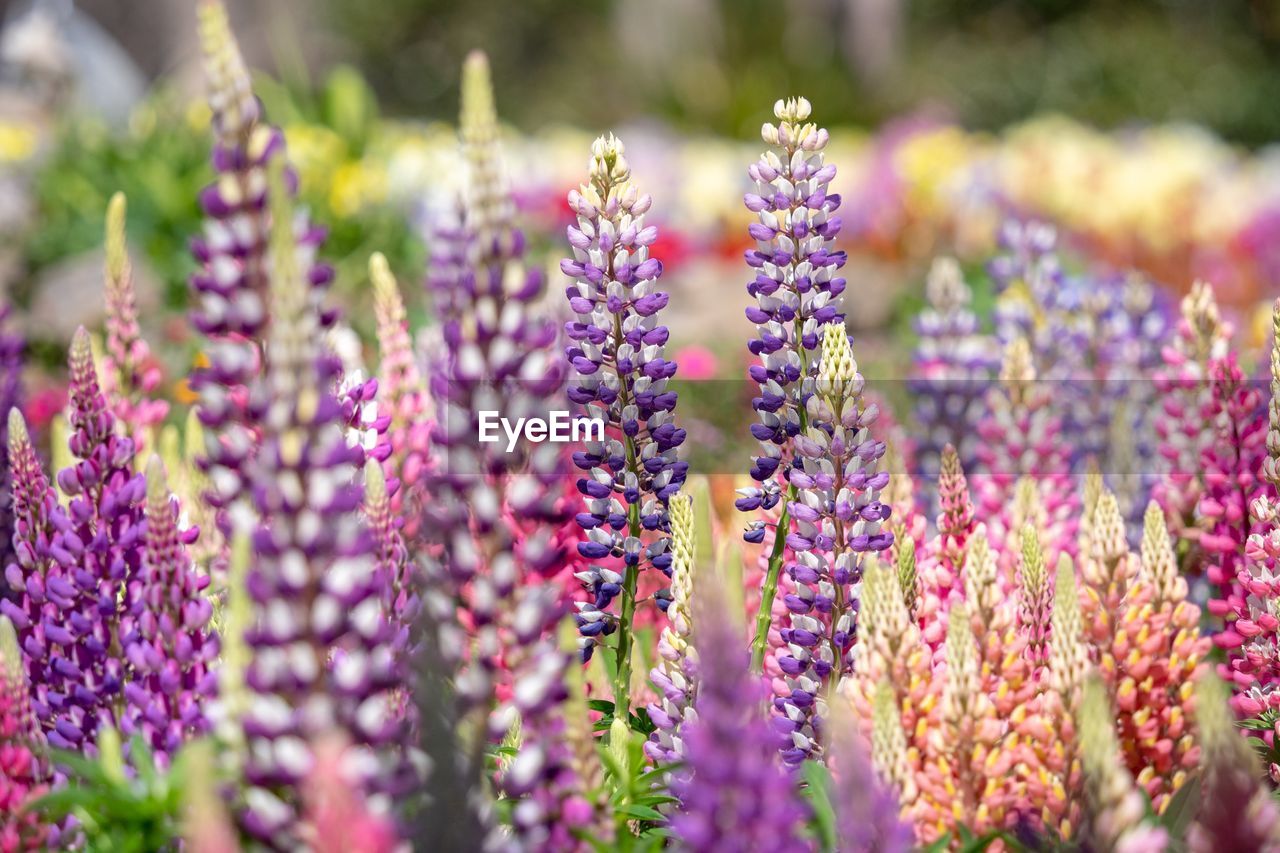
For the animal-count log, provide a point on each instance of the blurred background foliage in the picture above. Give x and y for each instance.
(704, 64)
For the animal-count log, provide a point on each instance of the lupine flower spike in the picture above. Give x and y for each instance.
(403, 390)
(167, 639)
(130, 374)
(24, 770)
(616, 352)
(837, 519)
(1237, 810)
(12, 346)
(674, 676)
(733, 792)
(796, 288)
(1117, 811)
(322, 657)
(1255, 665)
(867, 812)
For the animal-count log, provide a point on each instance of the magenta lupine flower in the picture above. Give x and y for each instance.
(321, 649)
(1233, 466)
(620, 374)
(796, 288)
(231, 287)
(167, 640)
(837, 516)
(130, 375)
(1254, 666)
(98, 544)
(1186, 427)
(734, 794)
(404, 396)
(24, 770)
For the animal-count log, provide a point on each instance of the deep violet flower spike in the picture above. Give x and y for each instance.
(734, 794)
(321, 649)
(169, 643)
(838, 518)
(616, 349)
(98, 546)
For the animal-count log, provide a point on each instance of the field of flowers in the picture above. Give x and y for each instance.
(266, 586)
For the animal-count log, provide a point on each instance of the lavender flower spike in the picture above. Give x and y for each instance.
(838, 516)
(168, 642)
(796, 289)
(734, 794)
(616, 351)
(322, 658)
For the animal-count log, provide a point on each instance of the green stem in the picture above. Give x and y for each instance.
(622, 668)
(770, 589)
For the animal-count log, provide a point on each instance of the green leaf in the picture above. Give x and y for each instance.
(642, 812)
(817, 791)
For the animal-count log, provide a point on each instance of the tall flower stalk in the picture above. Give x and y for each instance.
(796, 289)
(675, 675)
(321, 647)
(130, 375)
(24, 769)
(616, 352)
(837, 518)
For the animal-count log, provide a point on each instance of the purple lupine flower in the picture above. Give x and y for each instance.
(674, 674)
(542, 777)
(616, 352)
(867, 810)
(734, 794)
(231, 287)
(953, 367)
(167, 639)
(130, 376)
(493, 354)
(321, 649)
(797, 289)
(366, 426)
(98, 545)
(35, 505)
(837, 516)
(12, 346)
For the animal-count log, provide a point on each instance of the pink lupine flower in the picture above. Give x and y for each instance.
(941, 571)
(1232, 467)
(336, 818)
(1156, 654)
(404, 394)
(1023, 438)
(24, 771)
(1185, 428)
(130, 376)
(1117, 813)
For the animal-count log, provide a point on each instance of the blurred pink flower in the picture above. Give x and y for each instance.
(697, 362)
